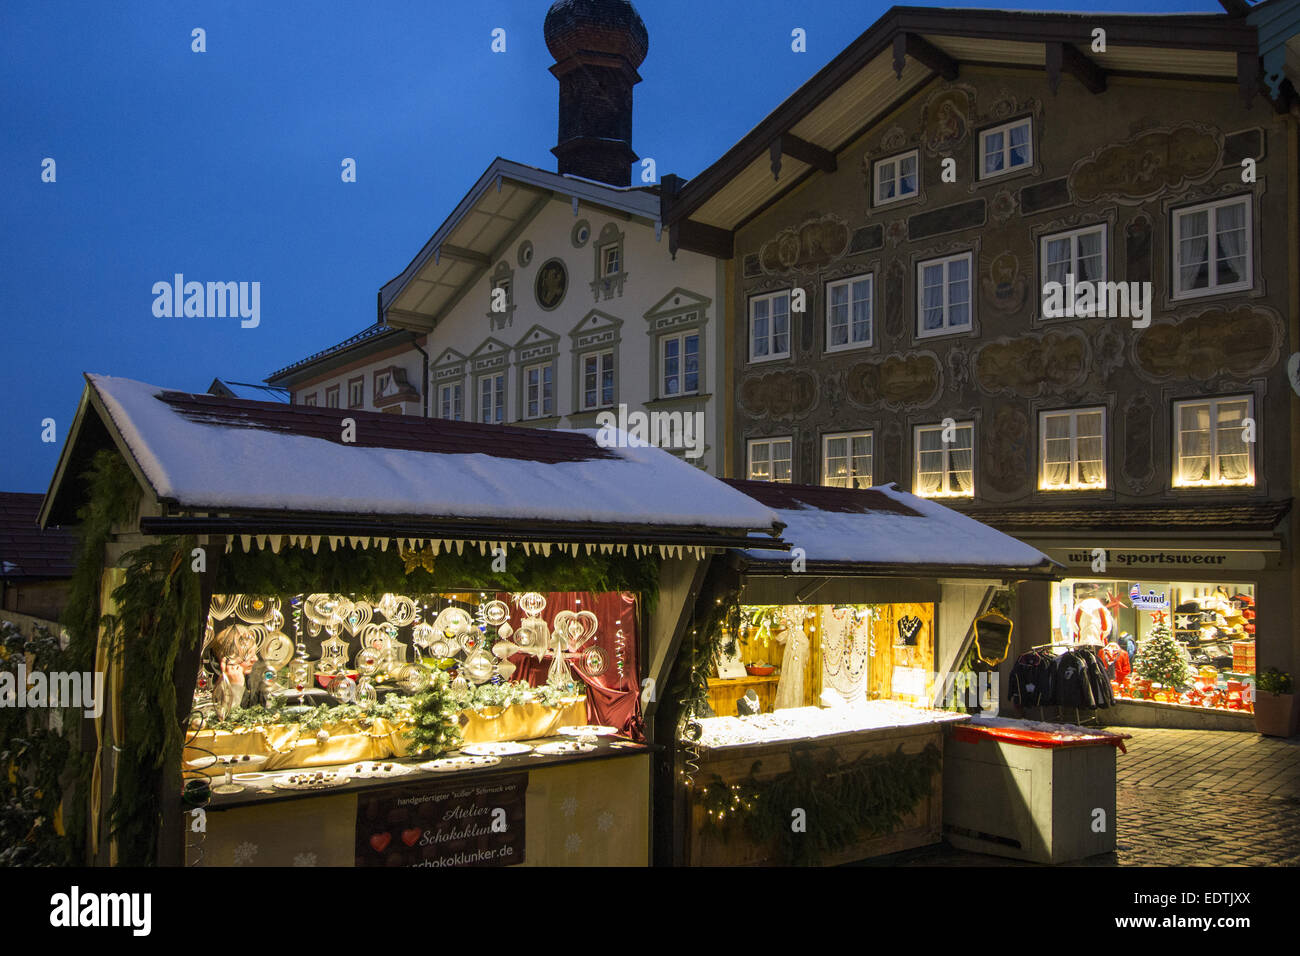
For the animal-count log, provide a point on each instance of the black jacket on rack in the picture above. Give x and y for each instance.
(1075, 679)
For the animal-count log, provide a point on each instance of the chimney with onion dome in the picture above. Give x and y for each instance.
(597, 45)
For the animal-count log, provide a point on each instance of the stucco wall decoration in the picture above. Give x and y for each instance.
(1006, 281)
(1107, 350)
(889, 457)
(806, 247)
(1138, 466)
(958, 368)
(895, 285)
(1150, 164)
(1222, 341)
(898, 380)
(946, 118)
(1004, 206)
(1032, 365)
(782, 395)
(1005, 465)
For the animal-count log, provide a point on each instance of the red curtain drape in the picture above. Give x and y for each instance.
(612, 700)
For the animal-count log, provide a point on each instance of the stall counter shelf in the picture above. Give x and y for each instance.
(730, 746)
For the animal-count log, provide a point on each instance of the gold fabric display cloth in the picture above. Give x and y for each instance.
(290, 746)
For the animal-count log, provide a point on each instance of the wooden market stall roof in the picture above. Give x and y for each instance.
(26, 552)
(220, 465)
(884, 531)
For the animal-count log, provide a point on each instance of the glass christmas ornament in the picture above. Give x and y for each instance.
(496, 613)
(344, 689)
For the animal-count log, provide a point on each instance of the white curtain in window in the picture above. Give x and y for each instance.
(961, 463)
(1193, 444)
(929, 462)
(1090, 264)
(1088, 444)
(932, 300)
(1056, 451)
(1193, 250)
(1234, 452)
(1230, 226)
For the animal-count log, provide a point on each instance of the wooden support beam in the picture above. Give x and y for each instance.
(464, 255)
(807, 152)
(1066, 58)
(700, 237)
(925, 53)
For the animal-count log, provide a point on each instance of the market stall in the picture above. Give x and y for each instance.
(344, 638)
(822, 680)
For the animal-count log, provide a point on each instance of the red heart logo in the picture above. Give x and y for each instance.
(380, 841)
(410, 836)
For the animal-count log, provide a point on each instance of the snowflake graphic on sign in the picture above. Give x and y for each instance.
(244, 853)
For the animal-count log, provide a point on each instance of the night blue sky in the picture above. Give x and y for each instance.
(225, 165)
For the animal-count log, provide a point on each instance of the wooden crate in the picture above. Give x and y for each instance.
(922, 827)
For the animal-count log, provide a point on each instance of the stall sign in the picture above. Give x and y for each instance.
(1159, 559)
(473, 823)
(1151, 601)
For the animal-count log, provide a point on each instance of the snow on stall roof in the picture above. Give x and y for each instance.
(904, 529)
(216, 466)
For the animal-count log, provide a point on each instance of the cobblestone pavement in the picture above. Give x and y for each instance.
(1186, 798)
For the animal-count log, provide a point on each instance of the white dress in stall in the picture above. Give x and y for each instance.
(789, 689)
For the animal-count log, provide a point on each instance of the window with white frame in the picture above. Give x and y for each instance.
(492, 399)
(1005, 148)
(309, 400)
(612, 260)
(1214, 442)
(769, 326)
(945, 460)
(332, 397)
(897, 177)
(356, 392)
(848, 312)
(539, 390)
(598, 379)
(943, 295)
(846, 460)
(1079, 252)
(451, 402)
(1212, 248)
(679, 364)
(770, 459)
(1072, 449)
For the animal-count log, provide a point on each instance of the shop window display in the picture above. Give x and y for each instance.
(1170, 642)
(367, 687)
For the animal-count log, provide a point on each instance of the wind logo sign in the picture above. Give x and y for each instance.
(1092, 300)
(1151, 601)
(212, 300)
(669, 430)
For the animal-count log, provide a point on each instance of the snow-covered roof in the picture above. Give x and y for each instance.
(202, 453)
(883, 527)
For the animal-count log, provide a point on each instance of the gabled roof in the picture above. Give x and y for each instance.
(887, 531)
(26, 552)
(481, 227)
(231, 466)
(374, 338)
(907, 48)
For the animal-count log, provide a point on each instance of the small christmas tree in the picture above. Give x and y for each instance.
(1160, 659)
(437, 718)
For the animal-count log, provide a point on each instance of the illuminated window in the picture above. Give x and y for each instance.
(770, 459)
(1214, 442)
(945, 469)
(846, 460)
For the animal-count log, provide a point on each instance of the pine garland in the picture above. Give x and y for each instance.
(436, 717)
(1160, 659)
(841, 803)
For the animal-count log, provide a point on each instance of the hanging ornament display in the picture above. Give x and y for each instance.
(278, 650)
(256, 609)
(333, 656)
(223, 605)
(496, 613)
(344, 689)
(367, 696)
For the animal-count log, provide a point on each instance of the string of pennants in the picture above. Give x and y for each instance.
(434, 546)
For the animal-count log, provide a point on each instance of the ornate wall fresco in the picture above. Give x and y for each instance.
(1034, 364)
(807, 247)
(1005, 460)
(781, 395)
(895, 382)
(1223, 341)
(1138, 467)
(1149, 165)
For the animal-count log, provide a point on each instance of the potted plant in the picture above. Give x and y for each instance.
(1276, 714)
